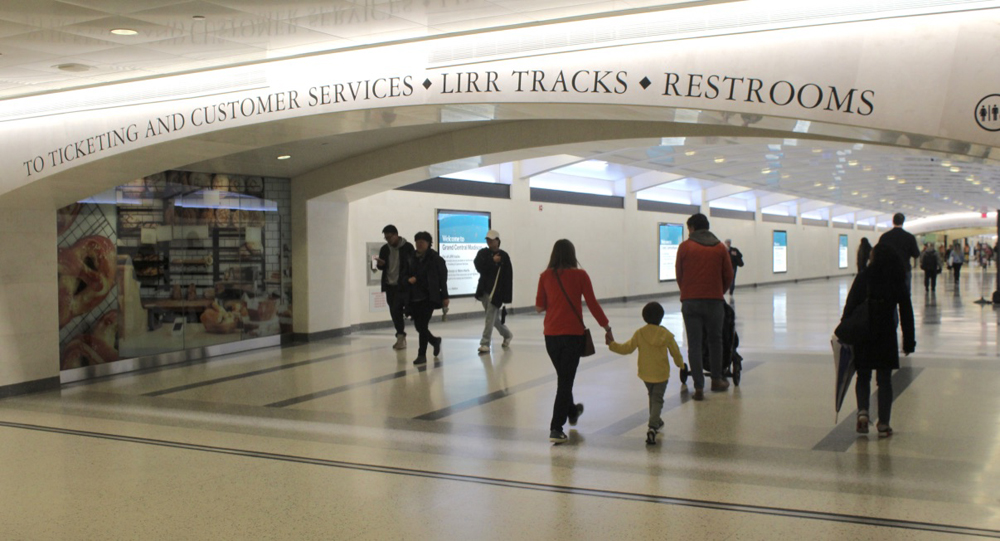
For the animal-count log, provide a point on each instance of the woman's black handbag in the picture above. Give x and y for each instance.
(856, 327)
(588, 340)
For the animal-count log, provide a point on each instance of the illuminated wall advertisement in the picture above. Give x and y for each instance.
(780, 251)
(460, 235)
(671, 236)
(843, 251)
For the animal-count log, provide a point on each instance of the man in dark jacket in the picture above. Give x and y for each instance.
(903, 242)
(736, 258)
(393, 260)
(496, 288)
(704, 272)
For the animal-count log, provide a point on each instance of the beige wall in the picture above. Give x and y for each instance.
(29, 328)
(617, 247)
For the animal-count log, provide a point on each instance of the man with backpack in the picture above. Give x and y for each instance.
(930, 262)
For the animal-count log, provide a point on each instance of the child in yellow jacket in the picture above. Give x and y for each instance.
(654, 343)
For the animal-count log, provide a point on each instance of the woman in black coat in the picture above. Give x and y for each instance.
(427, 290)
(883, 283)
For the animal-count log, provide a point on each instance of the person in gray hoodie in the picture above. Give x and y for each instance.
(393, 260)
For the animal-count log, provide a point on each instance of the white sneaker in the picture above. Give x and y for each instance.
(506, 341)
(484, 349)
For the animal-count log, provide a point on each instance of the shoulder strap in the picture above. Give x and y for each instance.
(571, 307)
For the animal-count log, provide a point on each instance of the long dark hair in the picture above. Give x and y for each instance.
(864, 252)
(886, 265)
(563, 255)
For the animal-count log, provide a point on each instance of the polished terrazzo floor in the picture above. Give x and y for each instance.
(345, 439)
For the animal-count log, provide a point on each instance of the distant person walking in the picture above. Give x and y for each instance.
(736, 258)
(883, 285)
(704, 272)
(955, 261)
(427, 291)
(930, 263)
(560, 288)
(393, 259)
(495, 288)
(904, 243)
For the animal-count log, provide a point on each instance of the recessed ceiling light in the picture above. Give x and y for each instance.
(690, 153)
(854, 193)
(901, 181)
(817, 150)
(852, 163)
(720, 159)
(866, 168)
(956, 169)
(891, 177)
(284, 157)
(765, 171)
(946, 163)
(73, 67)
(817, 185)
(124, 32)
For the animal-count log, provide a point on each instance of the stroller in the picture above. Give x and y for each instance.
(732, 362)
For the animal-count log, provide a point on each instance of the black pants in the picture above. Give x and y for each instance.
(863, 390)
(732, 286)
(930, 280)
(957, 267)
(564, 350)
(421, 312)
(395, 302)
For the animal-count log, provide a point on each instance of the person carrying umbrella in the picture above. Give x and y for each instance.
(881, 289)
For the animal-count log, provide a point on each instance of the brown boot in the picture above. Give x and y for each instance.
(720, 384)
(699, 394)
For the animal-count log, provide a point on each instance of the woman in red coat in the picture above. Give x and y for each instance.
(560, 288)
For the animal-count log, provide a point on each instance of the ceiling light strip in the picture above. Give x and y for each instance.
(674, 24)
(133, 93)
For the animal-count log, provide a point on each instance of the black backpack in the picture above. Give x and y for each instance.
(928, 261)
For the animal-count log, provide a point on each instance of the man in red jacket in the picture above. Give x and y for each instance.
(704, 273)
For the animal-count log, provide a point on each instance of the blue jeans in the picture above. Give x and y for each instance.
(704, 317)
(492, 320)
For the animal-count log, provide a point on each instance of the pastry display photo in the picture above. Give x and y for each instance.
(86, 274)
(94, 347)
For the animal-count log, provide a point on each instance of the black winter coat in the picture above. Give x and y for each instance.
(432, 278)
(488, 269)
(886, 294)
(405, 255)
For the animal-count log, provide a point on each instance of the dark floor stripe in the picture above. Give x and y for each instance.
(641, 417)
(253, 373)
(523, 485)
(437, 415)
(320, 394)
(841, 438)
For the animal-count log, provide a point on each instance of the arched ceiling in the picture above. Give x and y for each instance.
(861, 179)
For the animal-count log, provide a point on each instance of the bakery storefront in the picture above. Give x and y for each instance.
(175, 266)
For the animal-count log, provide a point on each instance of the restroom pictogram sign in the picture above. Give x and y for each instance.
(988, 113)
